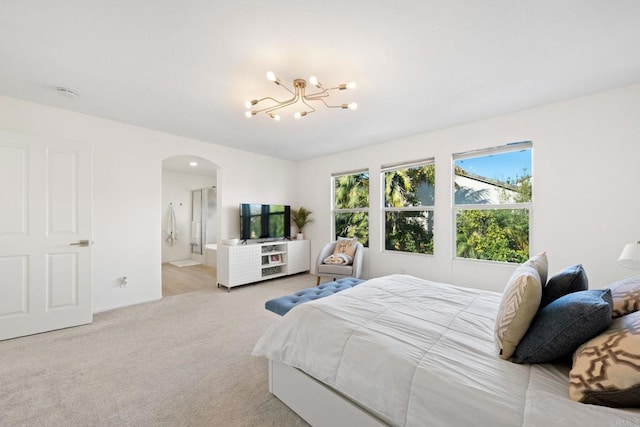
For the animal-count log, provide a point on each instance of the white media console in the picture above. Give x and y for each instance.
(254, 262)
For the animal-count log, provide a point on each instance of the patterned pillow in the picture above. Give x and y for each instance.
(541, 264)
(562, 326)
(346, 246)
(606, 369)
(520, 301)
(571, 279)
(626, 296)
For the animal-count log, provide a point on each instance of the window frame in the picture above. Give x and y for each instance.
(513, 146)
(384, 208)
(335, 210)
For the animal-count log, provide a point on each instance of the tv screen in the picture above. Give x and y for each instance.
(264, 221)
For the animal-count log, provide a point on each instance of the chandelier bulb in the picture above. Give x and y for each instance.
(300, 114)
(272, 77)
(275, 117)
(353, 106)
(314, 81)
(249, 114)
(351, 85)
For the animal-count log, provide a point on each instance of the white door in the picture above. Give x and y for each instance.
(45, 234)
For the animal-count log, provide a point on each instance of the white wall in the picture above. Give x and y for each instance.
(176, 189)
(586, 171)
(586, 155)
(127, 191)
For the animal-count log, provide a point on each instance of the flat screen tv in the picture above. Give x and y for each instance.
(264, 221)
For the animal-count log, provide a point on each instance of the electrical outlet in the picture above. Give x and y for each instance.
(123, 282)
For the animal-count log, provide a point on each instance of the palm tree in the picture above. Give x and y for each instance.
(410, 230)
(352, 192)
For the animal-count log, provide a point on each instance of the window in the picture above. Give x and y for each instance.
(492, 203)
(351, 205)
(409, 193)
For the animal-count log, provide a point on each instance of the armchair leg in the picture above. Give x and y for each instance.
(318, 281)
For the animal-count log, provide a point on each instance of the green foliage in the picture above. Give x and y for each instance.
(497, 234)
(523, 192)
(301, 217)
(352, 192)
(409, 231)
(353, 224)
(493, 234)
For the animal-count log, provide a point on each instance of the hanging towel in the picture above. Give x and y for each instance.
(172, 232)
(195, 232)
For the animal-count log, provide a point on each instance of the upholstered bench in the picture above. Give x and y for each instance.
(283, 304)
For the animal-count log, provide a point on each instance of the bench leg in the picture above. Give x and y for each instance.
(318, 281)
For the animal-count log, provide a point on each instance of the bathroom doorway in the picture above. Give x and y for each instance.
(189, 224)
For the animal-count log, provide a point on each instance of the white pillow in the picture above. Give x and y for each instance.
(519, 305)
(541, 264)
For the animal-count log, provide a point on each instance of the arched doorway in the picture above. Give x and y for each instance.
(189, 224)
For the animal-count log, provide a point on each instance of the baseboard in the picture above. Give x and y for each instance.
(102, 310)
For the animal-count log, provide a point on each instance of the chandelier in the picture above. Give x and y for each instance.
(299, 97)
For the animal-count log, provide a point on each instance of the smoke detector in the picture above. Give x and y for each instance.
(66, 92)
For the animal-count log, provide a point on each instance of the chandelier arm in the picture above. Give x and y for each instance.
(268, 98)
(323, 93)
(288, 90)
(279, 104)
(327, 105)
(316, 98)
(304, 100)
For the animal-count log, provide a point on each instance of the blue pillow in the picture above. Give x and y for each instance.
(563, 325)
(571, 279)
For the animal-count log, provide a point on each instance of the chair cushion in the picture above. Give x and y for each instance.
(339, 269)
(285, 303)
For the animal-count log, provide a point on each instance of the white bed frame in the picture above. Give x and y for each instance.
(314, 401)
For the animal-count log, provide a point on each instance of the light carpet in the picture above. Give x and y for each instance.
(182, 361)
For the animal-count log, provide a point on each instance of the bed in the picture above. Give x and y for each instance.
(399, 350)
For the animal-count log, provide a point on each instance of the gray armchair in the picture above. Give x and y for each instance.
(335, 271)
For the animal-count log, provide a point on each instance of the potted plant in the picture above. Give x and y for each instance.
(301, 217)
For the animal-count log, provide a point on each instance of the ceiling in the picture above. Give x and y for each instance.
(187, 67)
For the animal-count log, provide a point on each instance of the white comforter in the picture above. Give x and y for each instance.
(421, 353)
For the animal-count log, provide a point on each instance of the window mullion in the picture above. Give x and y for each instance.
(492, 206)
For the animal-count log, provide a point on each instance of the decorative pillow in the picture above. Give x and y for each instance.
(541, 264)
(571, 279)
(520, 301)
(342, 259)
(562, 326)
(626, 296)
(346, 246)
(606, 369)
